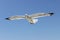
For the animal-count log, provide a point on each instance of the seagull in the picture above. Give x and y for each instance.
(32, 19)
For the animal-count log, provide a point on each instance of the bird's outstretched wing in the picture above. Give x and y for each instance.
(41, 15)
(15, 17)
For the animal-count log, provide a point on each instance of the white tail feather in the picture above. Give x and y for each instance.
(35, 20)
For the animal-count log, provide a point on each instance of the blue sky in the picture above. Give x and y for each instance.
(48, 28)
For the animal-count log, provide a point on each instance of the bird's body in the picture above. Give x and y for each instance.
(30, 18)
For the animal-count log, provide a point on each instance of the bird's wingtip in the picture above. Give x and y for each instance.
(7, 18)
(51, 14)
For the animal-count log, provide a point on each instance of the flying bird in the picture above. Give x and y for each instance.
(32, 19)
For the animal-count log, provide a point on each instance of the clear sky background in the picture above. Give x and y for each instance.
(48, 28)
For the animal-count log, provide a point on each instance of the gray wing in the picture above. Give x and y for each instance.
(41, 15)
(15, 17)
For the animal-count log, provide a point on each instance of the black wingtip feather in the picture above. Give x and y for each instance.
(7, 18)
(51, 14)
